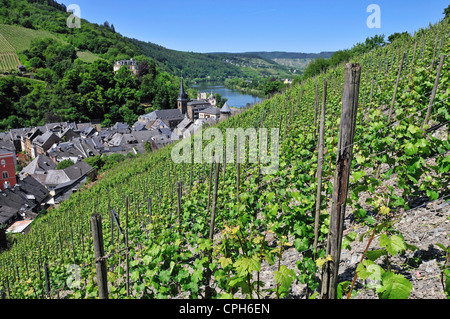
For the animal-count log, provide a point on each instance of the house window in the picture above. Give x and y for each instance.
(3, 162)
(5, 175)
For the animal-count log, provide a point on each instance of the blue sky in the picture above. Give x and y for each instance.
(252, 25)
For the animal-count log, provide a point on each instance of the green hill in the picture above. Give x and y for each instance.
(201, 66)
(292, 61)
(39, 19)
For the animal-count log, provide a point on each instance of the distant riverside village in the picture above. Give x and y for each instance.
(40, 184)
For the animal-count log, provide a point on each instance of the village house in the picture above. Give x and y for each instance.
(195, 107)
(23, 201)
(44, 142)
(30, 148)
(38, 168)
(17, 137)
(132, 65)
(210, 112)
(170, 117)
(61, 183)
(7, 169)
(6, 142)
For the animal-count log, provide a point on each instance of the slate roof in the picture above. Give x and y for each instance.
(7, 213)
(29, 185)
(225, 108)
(45, 138)
(144, 136)
(121, 127)
(77, 170)
(67, 175)
(39, 165)
(5, 151)
(6, 142)
(16, 133)
(56, 177)
(21, 198)
(169, 114)
(199, 103)
(211, 110)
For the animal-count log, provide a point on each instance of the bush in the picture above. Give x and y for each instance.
(64, 164)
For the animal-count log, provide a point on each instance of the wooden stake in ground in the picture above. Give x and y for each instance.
(47, 281)
(179, 205)
(341, 178)
(316, 108)
(208, 289)
(320, 166)
(100, 263)
(394, 96)
(391, 109)
(433, 93)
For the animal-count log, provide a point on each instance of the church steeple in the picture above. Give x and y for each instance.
(182, 95)
(182, 98)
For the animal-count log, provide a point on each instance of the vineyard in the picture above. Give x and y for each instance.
(8, 57)
(152, 228)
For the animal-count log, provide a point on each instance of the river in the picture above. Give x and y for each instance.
(234, 98)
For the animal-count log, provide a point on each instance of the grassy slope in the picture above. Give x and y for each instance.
(20, 37)
(87, 56)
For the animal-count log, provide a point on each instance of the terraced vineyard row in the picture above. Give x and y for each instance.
(205, 230)
(8, 56)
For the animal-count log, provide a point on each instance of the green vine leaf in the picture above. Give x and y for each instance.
(394, 286)
(246, 265)
(375, 254)
(284, 277)
(393, 245)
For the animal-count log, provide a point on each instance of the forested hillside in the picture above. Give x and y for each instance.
(75, 69)
(205, 230)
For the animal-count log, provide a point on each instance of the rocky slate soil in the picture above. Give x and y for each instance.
(423, 226)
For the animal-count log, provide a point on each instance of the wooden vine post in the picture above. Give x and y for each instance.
(100, 263)
(208, 289)
(127, 250)
(341, 178)
(320, 166)
(394, 95)
(391, 108)
(47, 281)
(433, 93)
(179, 191)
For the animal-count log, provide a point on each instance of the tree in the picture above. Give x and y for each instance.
(96, 162)
(148, 146)
(315, 67)
(272, 86)
(447, 12)
(397, 35)
(64, 164)
(340, 56)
